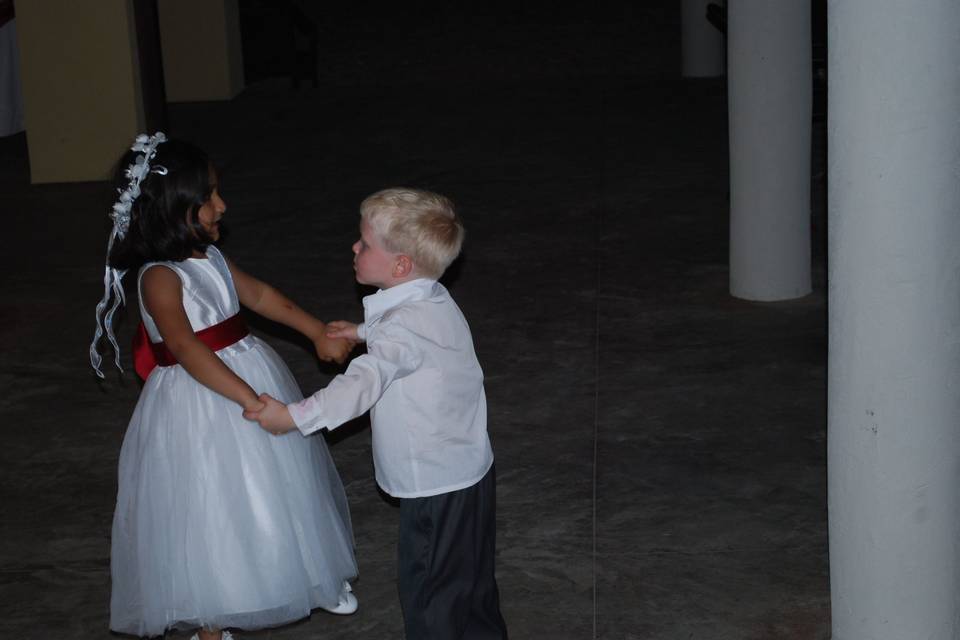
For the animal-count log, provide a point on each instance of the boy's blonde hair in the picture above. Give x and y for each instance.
(419, 224)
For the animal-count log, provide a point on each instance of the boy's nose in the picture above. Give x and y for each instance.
(356, 247)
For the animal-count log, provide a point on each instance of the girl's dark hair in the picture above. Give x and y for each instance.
(163, 220)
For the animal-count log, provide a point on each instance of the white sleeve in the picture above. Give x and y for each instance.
(391, 355)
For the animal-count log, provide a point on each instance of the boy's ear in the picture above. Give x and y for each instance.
(402, 267)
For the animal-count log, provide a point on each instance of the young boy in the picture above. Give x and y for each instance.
(422, 383)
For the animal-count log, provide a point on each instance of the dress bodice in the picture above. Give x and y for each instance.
(209, 296)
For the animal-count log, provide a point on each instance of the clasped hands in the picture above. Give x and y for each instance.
(272, 416)
(337, 340)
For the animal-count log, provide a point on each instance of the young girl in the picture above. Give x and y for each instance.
(218, 524)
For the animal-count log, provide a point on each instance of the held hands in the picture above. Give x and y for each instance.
(337, 341)
(332, 349)
(273, 416)
(343, 329)
(253, 405)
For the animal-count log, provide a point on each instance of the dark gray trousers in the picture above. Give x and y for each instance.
(446, 565)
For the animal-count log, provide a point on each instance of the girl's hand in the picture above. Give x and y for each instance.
(332, 349)
(273, 416)
(252, 405)
(343, 329)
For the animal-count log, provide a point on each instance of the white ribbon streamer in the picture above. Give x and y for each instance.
(120, 214)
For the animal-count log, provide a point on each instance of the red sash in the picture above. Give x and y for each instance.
(147, 355)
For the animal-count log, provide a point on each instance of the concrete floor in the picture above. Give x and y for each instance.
(660, 445)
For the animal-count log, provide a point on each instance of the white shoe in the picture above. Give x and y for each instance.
(224, 635)
(347, 603)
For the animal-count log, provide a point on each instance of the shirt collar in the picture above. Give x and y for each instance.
(374, 306)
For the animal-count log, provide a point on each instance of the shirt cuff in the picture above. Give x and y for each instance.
(362, 331)
(307, 415)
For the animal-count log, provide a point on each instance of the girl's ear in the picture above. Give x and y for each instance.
(402, 267)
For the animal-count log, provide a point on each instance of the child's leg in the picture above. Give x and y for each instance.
(445, 569)
(486, 621)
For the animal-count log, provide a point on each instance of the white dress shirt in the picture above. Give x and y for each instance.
(424, 387)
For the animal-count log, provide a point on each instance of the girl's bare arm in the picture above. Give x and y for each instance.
(260, 297)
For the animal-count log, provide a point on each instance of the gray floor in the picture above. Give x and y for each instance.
(660, 445)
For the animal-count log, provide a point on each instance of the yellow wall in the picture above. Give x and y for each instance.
(202, 59)
(81, 90)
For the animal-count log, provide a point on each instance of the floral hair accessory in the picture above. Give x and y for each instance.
(136, 172)
(120, 214)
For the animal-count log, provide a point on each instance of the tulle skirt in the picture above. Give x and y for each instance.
(218, 523)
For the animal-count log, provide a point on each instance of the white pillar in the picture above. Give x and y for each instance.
(701, 43)
(894, 301)
(769, 93)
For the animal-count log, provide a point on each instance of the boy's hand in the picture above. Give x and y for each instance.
(332, 349)
(343, 329)
(273, 417)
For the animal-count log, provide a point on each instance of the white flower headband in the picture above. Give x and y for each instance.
(120, 214)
